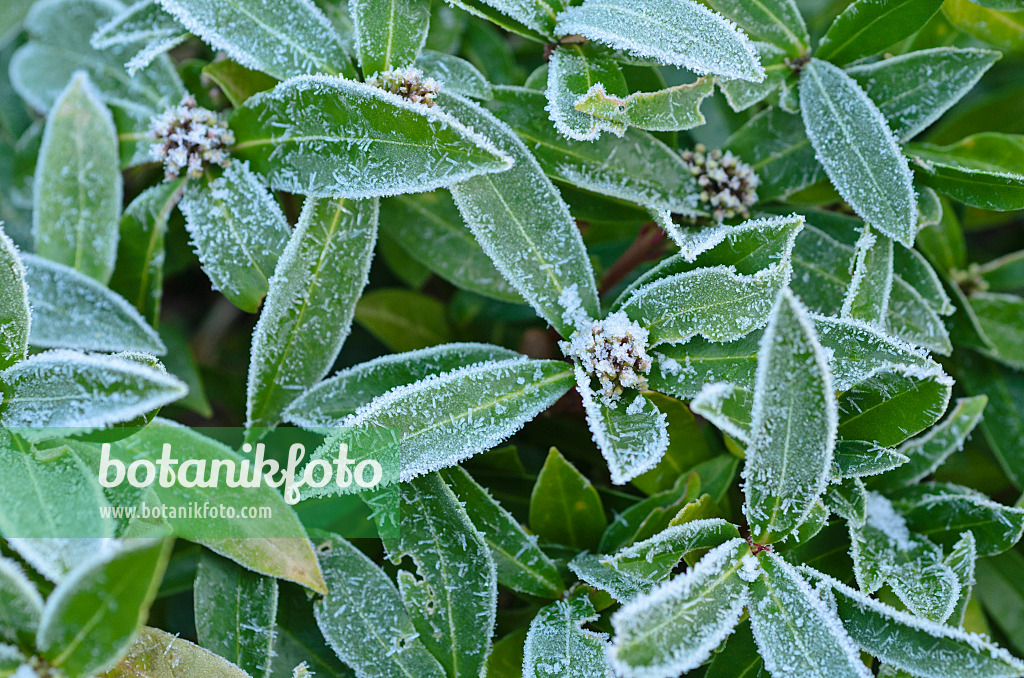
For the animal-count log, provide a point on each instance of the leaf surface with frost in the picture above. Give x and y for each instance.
(15, 314)
(867, 298)
(778, 22)
(158, 654)
(655, 558)
(666, 110)
(574, 71)
(143, 23)
(389, 34)
(558, 646)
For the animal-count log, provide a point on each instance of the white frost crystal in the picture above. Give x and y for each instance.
(615, 351)
(190, 138)
(728, 185)
(408, 83)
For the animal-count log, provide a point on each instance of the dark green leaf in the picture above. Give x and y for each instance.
(869, 26)
(564, 507)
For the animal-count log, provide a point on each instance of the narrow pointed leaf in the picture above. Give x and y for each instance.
(389, 33)
(574, 72)
(158, 654)
(310, 304)
(778, 22)
(869, 26)
(893, 404)
(77, 188)
(557, 645)
(793, 427)
(859, 458)
(984, 170)
(848, 500)
(728, 407)
(564, 506)
(742, 94)
(656, 557)
(671, 109)
(15, 314)
(619, 585)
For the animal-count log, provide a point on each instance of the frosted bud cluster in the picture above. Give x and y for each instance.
(190, 138)
(728, 185)
(615, 351)
(408, 83)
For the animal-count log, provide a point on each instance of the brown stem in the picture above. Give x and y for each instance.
(649, 245)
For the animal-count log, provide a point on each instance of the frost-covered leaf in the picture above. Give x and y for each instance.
(81, 391)
(675, 628)
(565, 508)
(683, 370)
(940, 77)
(778, 22)
(739, 658)
(237, 82)
(926, 453)
(742, 94)
(521, 565)
(675, 505)
(670, 109)
(21, 606)
(158, 654)
(943, 511)
(429, 228)
(525, 227)
(238, 232)
(656, 557)
(728, 407)
(71, 310)
(533, 19)
(797, 634)
(455, 75)
(849, 500)
(913, 269)
(962, 559)
(984, 170)
(558, 646)
(793, 425)
(15, 314)
(310, 305)
(858, 458)
(574, 73)
(632, 433)
(619, 585)
(453, 595)
(443, 419)
(636, 167)
(235, 613)
(94, 615)
(329, 137)
(282, 38)
(677, 32)
(77, 188)
(857, 149)
(775, 144)
(867, 298)
(921, 647)
(139, 272)
(365, 621)
(389, 34)
(333, 399)
(893, 404)
(869, 26)
(885, 550)
(143, 23)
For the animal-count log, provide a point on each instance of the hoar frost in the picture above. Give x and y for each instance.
(728, 185)
(190, 137)
(408, 83)
(613, 350)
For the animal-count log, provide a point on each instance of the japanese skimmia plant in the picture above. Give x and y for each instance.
(689, 334)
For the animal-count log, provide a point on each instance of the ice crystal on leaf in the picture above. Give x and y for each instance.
(558, 645)
(408, 83)
(614, 351)
(728, 186)
(191, 138)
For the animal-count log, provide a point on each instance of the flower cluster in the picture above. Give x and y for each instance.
(408, 83)
(615, 351)
(728, 185)
(190, 138)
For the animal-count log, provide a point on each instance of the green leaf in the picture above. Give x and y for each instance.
(677, 32)
(11, 16)
(299, 639)
(534, 21)
(848, 499)
(77, 188)
(620, 586)
(471, 409)
(778, 22)
(558, 644)
(429, 228)
(740, 658)
(330, 401)
(636, 167)
(158, 654)
(237, 82)
(525, 227)
(1004, 273)
(928, 452)
(389, 33)
(310, 304)
(658, 512)
(235, 613)
(984, 170)
(867, 27)
(521, 565)
(94, 615)
(311, 134)
(282, 38)
(998, 28)
(793, 425)
(867, 298)
(999, 589)
(912, 268)
(143, 26)
(66, 389)
(458, 75)
(797, 633)
(71, 310)
(564, 506)
(21, 606)
(674, 108)
(576, 72)
(775, 144)
(675, 628)
(728, 407)
(365, 621)
(656, 557)
(857, 149)
(858, 458)
(453, 595)
(139, 272)
(15, 314)
(940, 77)
(893, 404)
(403, 320)
(741, 94)
(916, 645)
(238, 232)
(942, 512)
